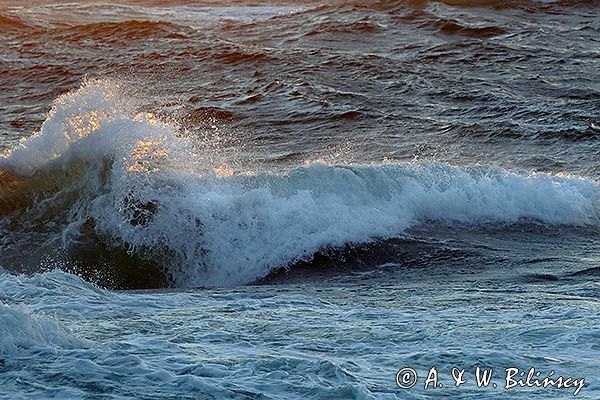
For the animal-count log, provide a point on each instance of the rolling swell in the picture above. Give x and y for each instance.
(125, 30)
(11, 23)
(124, 196)
(452, 27)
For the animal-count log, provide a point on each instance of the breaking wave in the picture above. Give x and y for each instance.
(98, 173)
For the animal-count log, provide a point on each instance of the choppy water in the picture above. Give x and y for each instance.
(325, 192)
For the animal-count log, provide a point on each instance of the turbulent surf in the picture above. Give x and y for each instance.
(100, 176)
(291, 200)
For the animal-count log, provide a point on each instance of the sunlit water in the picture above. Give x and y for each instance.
(307, 197)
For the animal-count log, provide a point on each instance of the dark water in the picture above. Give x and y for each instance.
(327, 192)
(269, 88)
(513, 84)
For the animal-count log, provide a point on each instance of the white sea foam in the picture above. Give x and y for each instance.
(22, 328)
(143, 188)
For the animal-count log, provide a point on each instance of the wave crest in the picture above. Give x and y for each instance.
(12, 23)
(139, 188)
(125, 30)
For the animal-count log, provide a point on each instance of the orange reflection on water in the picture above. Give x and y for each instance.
(224, 171)
(145, 156)
(146, 117)
(84, 124)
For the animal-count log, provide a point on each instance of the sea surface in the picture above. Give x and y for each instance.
(297, 200)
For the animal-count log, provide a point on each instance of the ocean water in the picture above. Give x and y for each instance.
(299, 200)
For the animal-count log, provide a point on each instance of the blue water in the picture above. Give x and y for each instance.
(325, 200)
(346, 338)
